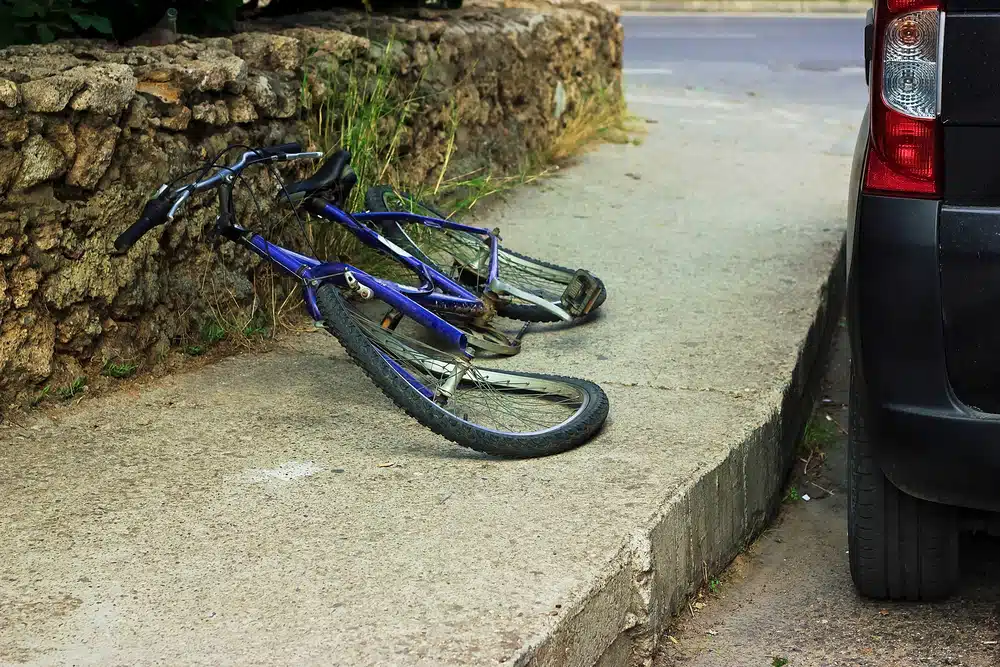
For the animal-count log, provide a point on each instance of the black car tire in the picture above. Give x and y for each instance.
(900, 547)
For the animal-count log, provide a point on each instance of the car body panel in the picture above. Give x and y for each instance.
(969, 263)
(970, 87)
(924, 288)
(970, 106)
(929, 443)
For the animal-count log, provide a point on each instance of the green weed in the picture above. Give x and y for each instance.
(258, 330)
(246, 326)
(213, 332)
(820, 434)
(72, 389)
(119, 371)
(41, 395)
(792, 495)
(779, 662)
(367, 114)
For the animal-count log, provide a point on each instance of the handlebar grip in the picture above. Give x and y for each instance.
(283, 149)
(153, 214)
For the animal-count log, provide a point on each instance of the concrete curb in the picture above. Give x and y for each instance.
(700, 528)
(746, 6)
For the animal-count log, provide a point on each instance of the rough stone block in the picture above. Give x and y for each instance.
(50, 94)
(107, 89)
(10, 95)
(95, 150)
(41, 161)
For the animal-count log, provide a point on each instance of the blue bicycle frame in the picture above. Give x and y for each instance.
(436, 292)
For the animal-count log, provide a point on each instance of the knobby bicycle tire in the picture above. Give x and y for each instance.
(525, 312)
(569, 435)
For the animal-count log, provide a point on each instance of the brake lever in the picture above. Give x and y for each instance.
(177, 204)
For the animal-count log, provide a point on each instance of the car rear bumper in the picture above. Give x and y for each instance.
(930, 444)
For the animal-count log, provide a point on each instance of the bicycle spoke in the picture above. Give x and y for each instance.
(456, 250)
(498, 400)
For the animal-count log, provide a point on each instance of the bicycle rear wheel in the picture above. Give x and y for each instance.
(498, 412)
(465, 257)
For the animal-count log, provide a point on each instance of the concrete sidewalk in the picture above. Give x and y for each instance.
(238, 515)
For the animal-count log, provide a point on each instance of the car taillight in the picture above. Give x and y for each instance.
(904, 154)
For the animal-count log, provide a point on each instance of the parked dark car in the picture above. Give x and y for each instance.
(923, 250)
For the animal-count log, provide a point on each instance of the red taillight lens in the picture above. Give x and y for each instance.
(904, 155)
(909, 144)
(880, 177)
(904, 152)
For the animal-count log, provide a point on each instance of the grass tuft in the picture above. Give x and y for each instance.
(245, 327)
(602, 117)
(73, 388)
(366, 113)
(119, 370)
(213, 332)
(41, 395)
(820, 434)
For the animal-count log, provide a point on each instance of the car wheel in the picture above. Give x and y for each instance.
(900, 547)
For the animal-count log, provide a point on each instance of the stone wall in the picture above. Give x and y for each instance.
(88, 131)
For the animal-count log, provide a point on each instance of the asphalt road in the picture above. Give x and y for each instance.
(788, 59)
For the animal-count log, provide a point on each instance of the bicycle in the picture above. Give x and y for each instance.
(528, 290)
(430, 374)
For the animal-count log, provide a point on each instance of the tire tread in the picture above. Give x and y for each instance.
(900, 547)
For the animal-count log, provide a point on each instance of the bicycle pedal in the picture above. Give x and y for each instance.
(580, 294)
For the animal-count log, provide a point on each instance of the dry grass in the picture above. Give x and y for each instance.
(367, 114)
(602, 118)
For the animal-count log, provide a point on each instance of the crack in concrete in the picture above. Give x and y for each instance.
(732, 393)
(640, 627)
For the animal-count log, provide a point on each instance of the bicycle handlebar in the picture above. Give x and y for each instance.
(153, 214)
(165, 204)
(283, 149)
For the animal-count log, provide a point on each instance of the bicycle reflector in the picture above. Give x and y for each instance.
(904, 153)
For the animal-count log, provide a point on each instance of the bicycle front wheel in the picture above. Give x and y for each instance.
(498, 412)
(465, 257)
